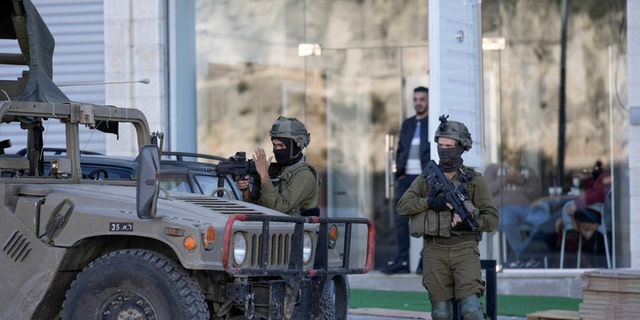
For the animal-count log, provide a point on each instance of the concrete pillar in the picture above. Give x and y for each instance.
(633, 76)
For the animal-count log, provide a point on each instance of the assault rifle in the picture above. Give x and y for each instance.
(436, 179)
(237, 167)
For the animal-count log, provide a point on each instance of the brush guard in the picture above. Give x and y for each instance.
(292, 292)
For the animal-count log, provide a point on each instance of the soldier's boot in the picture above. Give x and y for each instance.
(441, 310)
(471, 308)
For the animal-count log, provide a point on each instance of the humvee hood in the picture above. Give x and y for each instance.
(120, 201)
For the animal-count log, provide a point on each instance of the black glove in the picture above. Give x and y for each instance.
(437, 203)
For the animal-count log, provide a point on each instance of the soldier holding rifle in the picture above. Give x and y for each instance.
(290, 185)
(450, 214)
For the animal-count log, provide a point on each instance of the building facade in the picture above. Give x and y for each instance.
(222, 71)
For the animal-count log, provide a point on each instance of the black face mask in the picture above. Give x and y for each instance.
(450, 158)
(288, 156)
(282, 156)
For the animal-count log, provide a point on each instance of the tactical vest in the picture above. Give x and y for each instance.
(309, 206)
(438, 224)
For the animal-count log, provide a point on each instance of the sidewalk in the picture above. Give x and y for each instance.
(387, 314)
(536, 282)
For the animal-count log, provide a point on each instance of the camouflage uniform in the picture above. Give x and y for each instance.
(296, 187)
(452, 262)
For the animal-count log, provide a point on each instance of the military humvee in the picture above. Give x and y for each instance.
(80, 248)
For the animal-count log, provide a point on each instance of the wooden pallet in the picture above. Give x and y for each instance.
(610, 295)
(554, 315)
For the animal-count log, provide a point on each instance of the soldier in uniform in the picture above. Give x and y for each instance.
(451, 256)
(290, 185)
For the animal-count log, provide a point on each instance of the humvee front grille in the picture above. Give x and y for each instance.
(278, 250)
(218, 204)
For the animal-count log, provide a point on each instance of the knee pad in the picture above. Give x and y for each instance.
(441, 310)
(471, 308)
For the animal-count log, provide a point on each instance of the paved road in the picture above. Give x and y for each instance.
(387, 314)
(368, 317)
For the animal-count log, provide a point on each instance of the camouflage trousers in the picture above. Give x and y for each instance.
(451, 271)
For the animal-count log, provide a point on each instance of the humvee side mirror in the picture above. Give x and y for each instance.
(148, 181)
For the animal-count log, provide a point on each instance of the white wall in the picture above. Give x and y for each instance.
(135, 49)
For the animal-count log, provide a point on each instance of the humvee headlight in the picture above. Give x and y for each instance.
(307, 248)
(239, 248)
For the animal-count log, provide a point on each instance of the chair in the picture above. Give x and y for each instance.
(524, 229)
(604, 208)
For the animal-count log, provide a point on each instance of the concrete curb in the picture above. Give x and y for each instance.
(390, 313)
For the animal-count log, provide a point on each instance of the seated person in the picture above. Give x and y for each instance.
(542, 247)
(514, 186)
(584, 219)
(546, 239)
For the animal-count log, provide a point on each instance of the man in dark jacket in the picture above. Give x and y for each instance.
(411, 157)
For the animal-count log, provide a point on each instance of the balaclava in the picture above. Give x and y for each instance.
(450, 158)
(290, 155)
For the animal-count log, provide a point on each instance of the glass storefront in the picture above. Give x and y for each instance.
(525, 92)
(355, 92)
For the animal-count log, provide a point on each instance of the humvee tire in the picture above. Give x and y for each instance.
(335, 299)
(341, 296)
(134, 284)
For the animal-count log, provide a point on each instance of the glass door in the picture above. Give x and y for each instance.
(364, 110)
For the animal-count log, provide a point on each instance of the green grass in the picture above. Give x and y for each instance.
(508, 305)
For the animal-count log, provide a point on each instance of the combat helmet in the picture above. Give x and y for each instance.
(290, 128)
(454, 130)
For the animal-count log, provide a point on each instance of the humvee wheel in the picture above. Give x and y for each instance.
(335, 299)
(134, 284)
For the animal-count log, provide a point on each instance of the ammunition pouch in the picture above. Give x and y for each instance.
(430, 223)
(417, 224)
